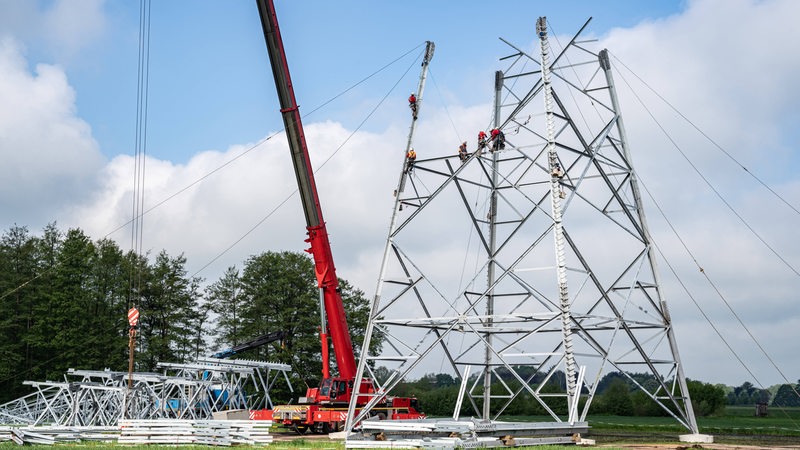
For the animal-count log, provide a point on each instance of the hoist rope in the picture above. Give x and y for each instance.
(140, 152)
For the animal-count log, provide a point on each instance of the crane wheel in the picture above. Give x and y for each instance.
(300, 429)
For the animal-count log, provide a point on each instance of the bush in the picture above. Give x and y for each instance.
(617, 399)
(707, 399)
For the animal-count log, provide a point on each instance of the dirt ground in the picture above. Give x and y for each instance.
(321, 438)
(683, 446)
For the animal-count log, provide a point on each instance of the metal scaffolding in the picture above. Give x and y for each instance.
(184, 391)
(527, 270)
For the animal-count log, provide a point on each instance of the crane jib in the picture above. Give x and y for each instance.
(317, 232)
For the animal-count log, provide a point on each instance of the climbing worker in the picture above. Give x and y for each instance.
(411, 156)
(412, 103)
(498, 140)
(462, 152)
(481, 140)
(557, 171)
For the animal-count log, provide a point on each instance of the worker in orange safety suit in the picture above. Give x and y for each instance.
(411, 156)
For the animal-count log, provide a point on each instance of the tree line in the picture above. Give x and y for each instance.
(64, 297)
(64, 301)
(616, 394)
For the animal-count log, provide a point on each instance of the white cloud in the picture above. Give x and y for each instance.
(70, 26)
(728, 65)
(64, 27)
(49, 156)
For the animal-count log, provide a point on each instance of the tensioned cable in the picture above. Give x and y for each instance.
(714, 143)
(29, 369)
(708, 279)
(360, 125)
(708, 183)
(193, 183)
(716, 330)
(365, 79)
(694, 259)
(257, 144)
(719, 293)
(383, 99)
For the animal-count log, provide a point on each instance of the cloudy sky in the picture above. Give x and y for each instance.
(68, 90)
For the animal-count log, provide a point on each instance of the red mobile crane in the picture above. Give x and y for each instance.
(324, 408)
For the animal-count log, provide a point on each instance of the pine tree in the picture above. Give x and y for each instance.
(168, 308)
(279, 293)
(225, 301)
(17, 270)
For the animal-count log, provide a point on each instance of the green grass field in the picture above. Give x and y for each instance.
(737, 426)
(736, 420)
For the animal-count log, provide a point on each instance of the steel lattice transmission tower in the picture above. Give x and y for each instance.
(529, 273)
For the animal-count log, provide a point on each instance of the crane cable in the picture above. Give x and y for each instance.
(691, 254)
(262, 141)
(140, 153)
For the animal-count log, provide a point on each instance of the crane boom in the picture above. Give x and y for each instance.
(315, 224)
(253, 343)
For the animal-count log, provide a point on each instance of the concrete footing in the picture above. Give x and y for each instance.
(697, 438)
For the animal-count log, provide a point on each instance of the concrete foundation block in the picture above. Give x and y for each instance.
(697, 438)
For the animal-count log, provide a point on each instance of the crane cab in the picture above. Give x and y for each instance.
(337, 391)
